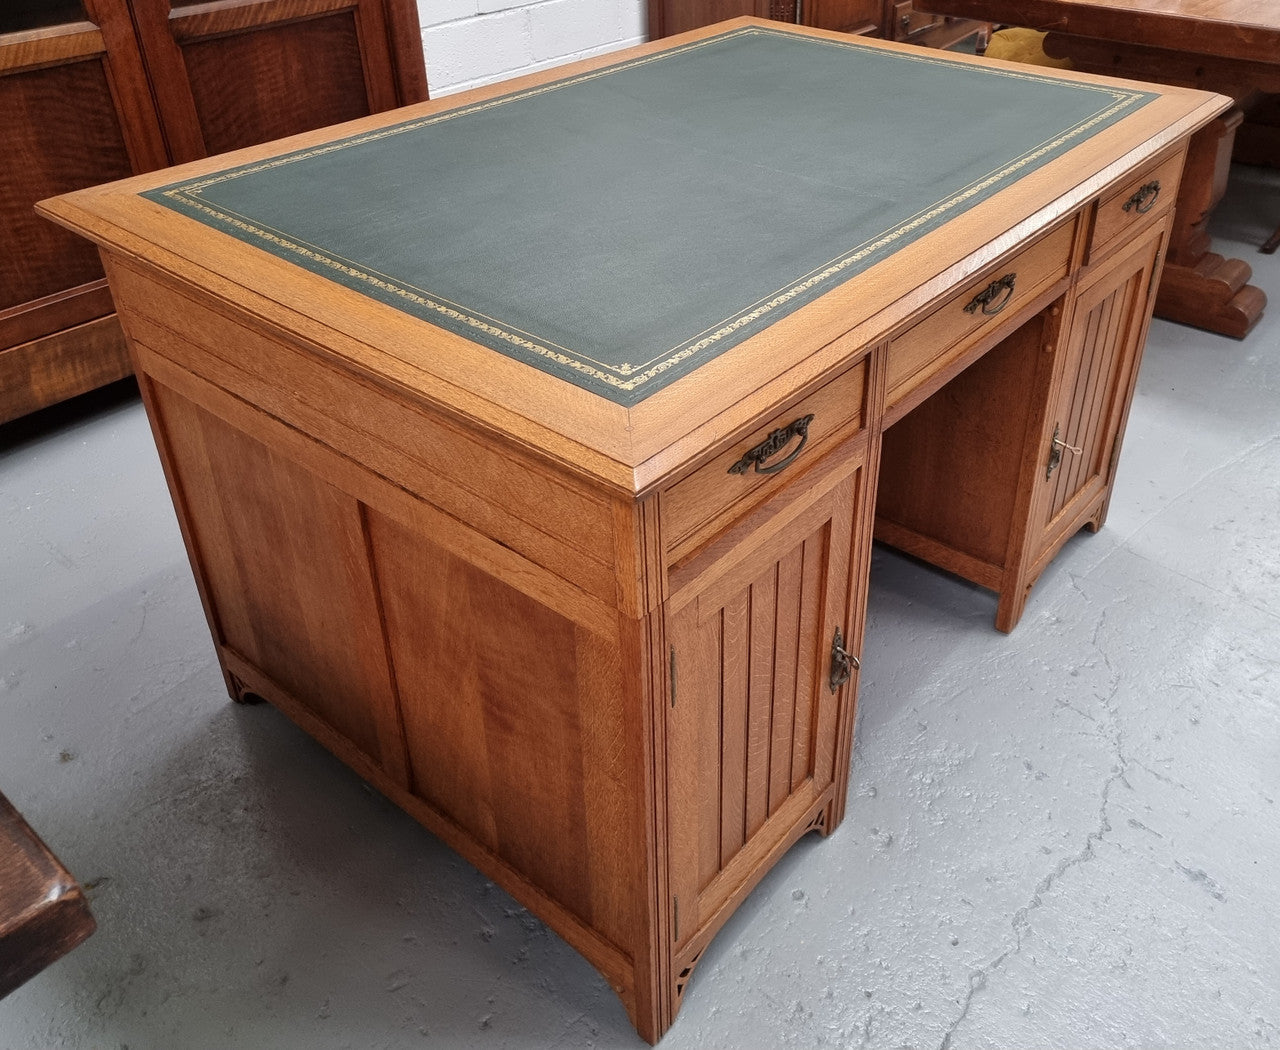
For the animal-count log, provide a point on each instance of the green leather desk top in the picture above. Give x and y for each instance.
(621, 227)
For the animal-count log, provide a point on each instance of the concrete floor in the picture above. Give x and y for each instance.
(1067, 837)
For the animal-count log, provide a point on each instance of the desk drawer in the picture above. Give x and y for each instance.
(985, 302)
(753, 466)
(1123, 210)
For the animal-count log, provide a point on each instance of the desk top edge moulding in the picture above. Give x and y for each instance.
(576, 403)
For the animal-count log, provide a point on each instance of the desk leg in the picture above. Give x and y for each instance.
(1199, 287)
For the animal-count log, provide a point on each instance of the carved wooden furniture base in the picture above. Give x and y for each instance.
(1213, 294)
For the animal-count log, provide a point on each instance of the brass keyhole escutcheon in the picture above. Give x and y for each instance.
(843, 663)
(1056, 448)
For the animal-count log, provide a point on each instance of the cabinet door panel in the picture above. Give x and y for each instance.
(66, 121)
(60, 130)
(299, 64)
(1102, 353)
(752, 725)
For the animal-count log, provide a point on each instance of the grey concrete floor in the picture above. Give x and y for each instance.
(1067, 837)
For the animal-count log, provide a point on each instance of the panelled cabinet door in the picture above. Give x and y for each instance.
(298, 65)
(753, 717)
(74, 111)
(1103, 349)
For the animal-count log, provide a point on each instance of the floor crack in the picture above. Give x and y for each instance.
(1021, 922)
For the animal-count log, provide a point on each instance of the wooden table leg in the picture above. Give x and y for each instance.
(1199, 287)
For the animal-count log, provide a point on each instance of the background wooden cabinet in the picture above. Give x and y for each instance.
(891, 19)
(101, 89)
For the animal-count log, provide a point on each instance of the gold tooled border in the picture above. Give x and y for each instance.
(627, 377)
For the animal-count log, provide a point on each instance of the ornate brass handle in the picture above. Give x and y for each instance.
(990, 299)
(773, 444)
(1144, 198)
(843, 663)
(1056, 447)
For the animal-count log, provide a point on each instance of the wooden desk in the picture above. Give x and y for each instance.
(43, 913)
(526, 444)
(1228, 46)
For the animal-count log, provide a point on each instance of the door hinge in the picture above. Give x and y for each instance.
(1155, 271)
(673, 676)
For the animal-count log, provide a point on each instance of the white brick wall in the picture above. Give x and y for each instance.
(471, 42)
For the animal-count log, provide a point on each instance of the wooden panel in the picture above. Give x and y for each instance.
(917, 355)
(46, 371)
(502, 493)
(60, 132)
(701, 504)
(70, 43)
(289, 78)
(1097, 340)
(299, 64)
(514, 723)
(285, 568)
(1099, 365)
(751, 728)
(1118, 213)
(949, 468)
(788, 645)
(43, 913)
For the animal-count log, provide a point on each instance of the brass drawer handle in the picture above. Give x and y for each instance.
(1144, 198)
(774, 444)
(843, 663)
(996, 296)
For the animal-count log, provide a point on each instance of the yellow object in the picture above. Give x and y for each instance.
(1023, 45)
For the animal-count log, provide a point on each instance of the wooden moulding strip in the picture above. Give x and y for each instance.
(55, 45)
(983, 573)
(614, 963)
(46, 371)
(190, 24)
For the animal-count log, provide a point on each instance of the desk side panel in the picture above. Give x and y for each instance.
(551, 519)
(501, 704)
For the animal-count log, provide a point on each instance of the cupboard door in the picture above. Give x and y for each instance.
(298, 65)
(1102, 350)
(754, 720)
(74, 111)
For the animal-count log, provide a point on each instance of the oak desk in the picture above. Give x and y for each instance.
(1229, 46)
(526, 444)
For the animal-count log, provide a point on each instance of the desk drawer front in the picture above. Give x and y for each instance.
(753, 466)
(984, 303)
(1149, 192)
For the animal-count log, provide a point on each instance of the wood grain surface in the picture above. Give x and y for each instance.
(613, 674)
(43, 913)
